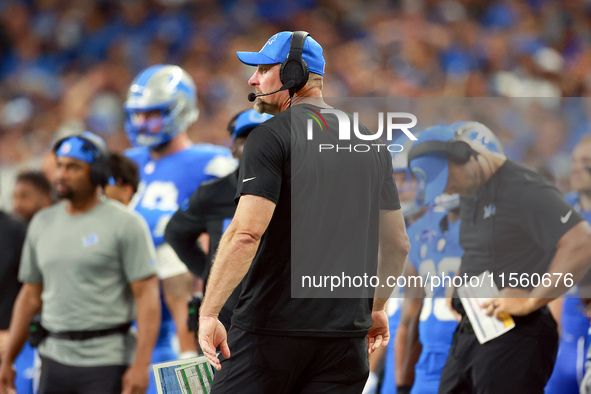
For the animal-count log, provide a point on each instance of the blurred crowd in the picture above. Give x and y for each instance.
(65, 65)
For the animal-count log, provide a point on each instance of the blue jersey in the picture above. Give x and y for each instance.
(569, 368)
(393, 309)
(435, 251)
(166, 184)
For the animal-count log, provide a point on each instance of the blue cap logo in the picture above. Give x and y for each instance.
(276, 50)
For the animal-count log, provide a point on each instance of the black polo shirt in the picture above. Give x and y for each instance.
(12, 237)
(327, 212)
(513, 224)
(210, 210)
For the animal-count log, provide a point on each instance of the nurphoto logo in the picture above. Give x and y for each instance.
(392, 120)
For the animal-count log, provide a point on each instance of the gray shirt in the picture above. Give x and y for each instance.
(86, 263)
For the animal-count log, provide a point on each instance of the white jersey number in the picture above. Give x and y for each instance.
(448, 266)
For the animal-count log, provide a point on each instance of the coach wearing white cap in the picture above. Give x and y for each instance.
(514, 223)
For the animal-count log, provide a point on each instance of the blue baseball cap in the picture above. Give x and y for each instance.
(86, 147)
(276, 50)
(248, 120)
(478, 134)
(432, 169)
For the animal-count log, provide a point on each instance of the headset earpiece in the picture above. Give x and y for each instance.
(458, 152)
(295, 69)
(100, 170)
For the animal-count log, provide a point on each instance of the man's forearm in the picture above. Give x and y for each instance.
(233, 259)
(182, 238)
(390, 264)
(27, 304)
(569, 266)
(407, 347)
(148, 323)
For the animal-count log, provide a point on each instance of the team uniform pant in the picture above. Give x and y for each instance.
(569, 368)
(57, 378)
(519, 361)
(286, 364)
(428, 370)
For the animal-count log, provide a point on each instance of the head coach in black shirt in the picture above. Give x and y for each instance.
(515, 224)
(279, 343)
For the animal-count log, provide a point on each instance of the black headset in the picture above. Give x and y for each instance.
(458, 152)
(295, 69)
(100, 169)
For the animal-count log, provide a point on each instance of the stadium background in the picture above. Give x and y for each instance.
(65, 65)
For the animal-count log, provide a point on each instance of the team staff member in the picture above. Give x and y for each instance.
(513, 221)
(435, 251)
(32, 192)
(12, 237)
(210, 211)
(280, 343)
(89, 261)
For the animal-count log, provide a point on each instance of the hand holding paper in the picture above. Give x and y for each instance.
(514, 302)
(485, 327)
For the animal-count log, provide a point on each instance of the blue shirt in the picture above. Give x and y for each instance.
(166, 184)
(436, 253)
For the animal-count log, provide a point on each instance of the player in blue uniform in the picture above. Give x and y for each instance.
(160, 106)
(407, 190)
(574, 324)
(427, 324)
(435, 251)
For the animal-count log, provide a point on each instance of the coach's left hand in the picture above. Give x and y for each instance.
(515, 302)
(211, 335)
(379, 333)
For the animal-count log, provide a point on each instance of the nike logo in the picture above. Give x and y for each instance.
(565, 218)
(248, 179)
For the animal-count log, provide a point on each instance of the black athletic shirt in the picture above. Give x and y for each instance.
(513, 224)
(327, 210)
(210, 210)
(12, 237)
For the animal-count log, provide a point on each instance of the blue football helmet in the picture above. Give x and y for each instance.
(400, 164)
(165, 88)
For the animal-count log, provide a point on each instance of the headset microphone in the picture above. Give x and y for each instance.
(253, 96)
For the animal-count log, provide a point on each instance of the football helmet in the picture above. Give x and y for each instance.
(170, 91)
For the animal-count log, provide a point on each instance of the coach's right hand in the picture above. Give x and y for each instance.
(211, 335)
(7, 376)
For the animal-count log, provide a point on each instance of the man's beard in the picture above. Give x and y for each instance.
(263, 108)
(259, 106)
(67, 194)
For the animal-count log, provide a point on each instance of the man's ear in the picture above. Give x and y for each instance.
(128, 192)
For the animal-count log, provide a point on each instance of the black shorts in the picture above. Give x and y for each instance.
(285, 364)
(519, 361)
(57, 378)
